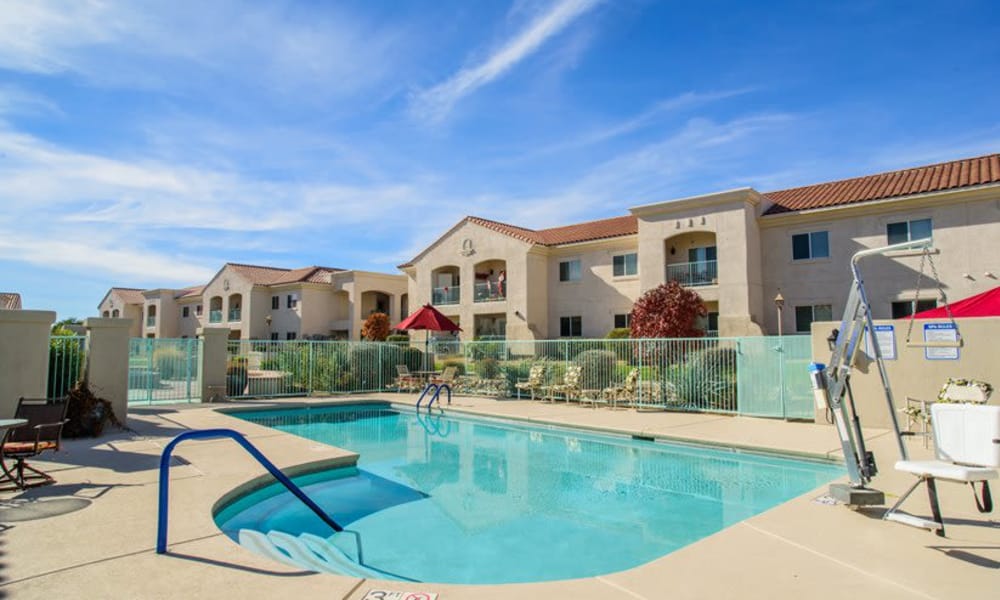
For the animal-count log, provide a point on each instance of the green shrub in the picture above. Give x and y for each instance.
(458, 363)
(488, 349)
(172, 363)
(373, 364)
(399, 338)
(597, 368)
(236, 375)
(65, 364)
(619, 333)
(488, 368)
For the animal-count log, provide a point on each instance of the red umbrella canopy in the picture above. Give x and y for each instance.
(430, 318)
(986, 304)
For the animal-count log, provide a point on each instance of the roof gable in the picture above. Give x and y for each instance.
(962, 173)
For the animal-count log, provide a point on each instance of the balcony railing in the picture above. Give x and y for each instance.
(445, 295)
(215, 316)
(151, 321)
(489, 292)
(693, 274)
(234, 314)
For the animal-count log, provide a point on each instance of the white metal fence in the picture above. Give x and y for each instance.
(761, 376)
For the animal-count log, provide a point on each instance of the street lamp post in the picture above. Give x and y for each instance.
(779, 303)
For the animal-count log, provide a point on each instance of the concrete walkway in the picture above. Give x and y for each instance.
(92, 534)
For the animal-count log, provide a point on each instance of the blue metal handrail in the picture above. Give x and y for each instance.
(437, 387)
(203, 434)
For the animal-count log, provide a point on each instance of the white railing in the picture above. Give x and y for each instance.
(693, 274)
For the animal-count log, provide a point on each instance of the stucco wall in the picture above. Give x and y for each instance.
(966, 228)
(912, 374)
(598, 295)
(24, 354)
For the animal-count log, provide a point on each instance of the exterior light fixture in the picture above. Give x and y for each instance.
(779, 303)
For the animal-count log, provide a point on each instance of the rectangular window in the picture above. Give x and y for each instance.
(197, 310)
(274, 335)
(186, 312)
(293, 300)
(571, 327)
(625, 265)
(623, 321)
(805, 315)
(291, 335)
(569, 270)
(907, 231)
(275, 302)
(905, 308)
(810, 245)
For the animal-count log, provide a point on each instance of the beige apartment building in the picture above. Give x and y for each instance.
(739, 249)
(260, 302)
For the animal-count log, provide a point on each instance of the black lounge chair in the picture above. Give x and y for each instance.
(41, 433)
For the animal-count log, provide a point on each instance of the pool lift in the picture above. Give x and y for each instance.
(832, 383)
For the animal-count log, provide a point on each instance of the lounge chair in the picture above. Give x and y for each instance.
(569, 388)
(966, 448)
(534, 382)
(41, 433)
(624, 393)
(406, 380)
(447, 377)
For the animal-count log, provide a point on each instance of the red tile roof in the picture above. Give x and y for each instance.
(966, 172)
(129, 295)
(567, 234)
(10, 301)
(260, 275)
(194, 290)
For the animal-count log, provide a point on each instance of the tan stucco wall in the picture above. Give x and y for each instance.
(24, 354)
(217, 287)
(487, 245)
(107, 362)
(188, 326)
(966, 228)
(132, 312)
(912, 374)
(731, 218)
(598, 295)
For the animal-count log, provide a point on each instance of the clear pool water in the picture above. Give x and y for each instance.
(462, 500)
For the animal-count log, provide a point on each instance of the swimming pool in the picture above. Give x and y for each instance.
(455, 499)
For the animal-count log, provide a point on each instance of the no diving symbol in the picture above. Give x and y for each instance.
(418, 596)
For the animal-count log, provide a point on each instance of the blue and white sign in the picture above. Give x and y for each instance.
(941, 332)
(885, 335)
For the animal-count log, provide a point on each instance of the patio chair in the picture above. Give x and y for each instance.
(405, 380)
(41, 433)
(625, 392)
(966, 450)
(447, 377)
(534, 382)
(570, 386)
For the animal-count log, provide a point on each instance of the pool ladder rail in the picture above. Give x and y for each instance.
(437, 388)
(307, 551)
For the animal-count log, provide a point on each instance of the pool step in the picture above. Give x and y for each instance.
(306, 551)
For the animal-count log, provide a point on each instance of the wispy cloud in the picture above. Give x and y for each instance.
(18, 101)
(435, 103)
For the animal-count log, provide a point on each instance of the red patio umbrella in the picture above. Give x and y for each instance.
(430, 319)
(986, 304)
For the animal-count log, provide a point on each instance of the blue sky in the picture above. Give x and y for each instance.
(146, 144)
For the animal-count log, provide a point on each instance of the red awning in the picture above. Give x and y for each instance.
(986, 304)
(429, 318)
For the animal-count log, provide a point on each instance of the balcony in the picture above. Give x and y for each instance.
(488, 292)
(693, 274)
(445, 295)
(234, 314)
(151, 321)
(215, 316)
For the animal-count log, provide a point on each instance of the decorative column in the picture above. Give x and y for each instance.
(107, 361)
(214, 350)
(24, 356)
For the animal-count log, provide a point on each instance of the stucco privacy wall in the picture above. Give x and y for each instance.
(911, 374)
(24, 355)
(107, 362)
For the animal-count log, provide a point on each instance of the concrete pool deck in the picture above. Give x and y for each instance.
(92, 534)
